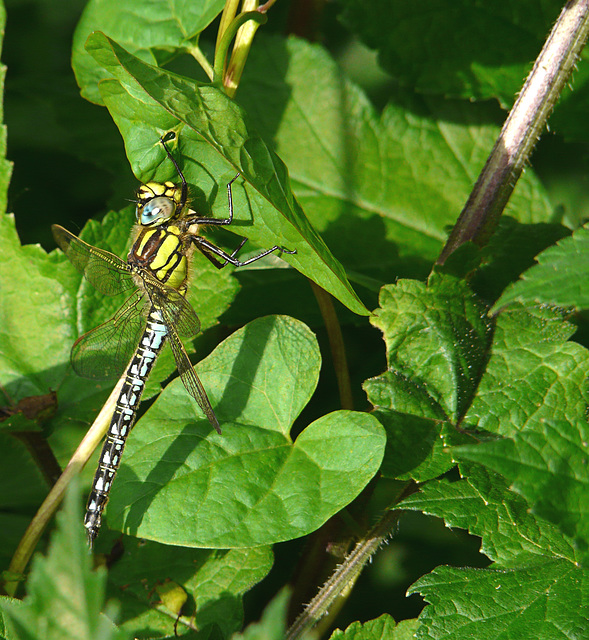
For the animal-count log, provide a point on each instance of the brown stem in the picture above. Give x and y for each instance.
(336, 344)
(522, 128)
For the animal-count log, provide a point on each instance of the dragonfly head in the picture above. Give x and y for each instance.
(157, 203)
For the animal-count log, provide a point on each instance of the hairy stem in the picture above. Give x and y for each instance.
(344, 577)
(522, 128)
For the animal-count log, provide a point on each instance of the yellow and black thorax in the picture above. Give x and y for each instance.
(162, 245)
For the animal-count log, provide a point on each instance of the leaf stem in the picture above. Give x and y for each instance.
(522, 128)
(35, 529)
(337, 346)
(230, 80)
(199, 56)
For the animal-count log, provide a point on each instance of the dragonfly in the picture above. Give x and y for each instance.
(155, 278)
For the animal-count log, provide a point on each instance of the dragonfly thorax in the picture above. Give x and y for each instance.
(157, 203)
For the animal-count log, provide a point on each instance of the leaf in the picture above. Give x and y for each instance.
(147, 30)
(455, 48)
(214, 581)
(547, 465)
(162, 101)
(251, 485)
(65, 596)
(561, 276)
(382, 628)
(483, 504)
(382, 189)
(545, 601)
(24, 374)
(272, 625)
(533, 374)
(437, 340)
(21, 484)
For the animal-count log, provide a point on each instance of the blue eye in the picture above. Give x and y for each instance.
(156, 210)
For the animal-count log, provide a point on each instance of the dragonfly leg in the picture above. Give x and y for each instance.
(208, 248)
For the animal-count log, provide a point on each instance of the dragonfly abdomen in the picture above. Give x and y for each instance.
(150, 345)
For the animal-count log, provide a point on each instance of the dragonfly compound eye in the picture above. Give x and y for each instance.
(156, 211)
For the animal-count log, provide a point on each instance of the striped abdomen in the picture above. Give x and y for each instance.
(150, 345)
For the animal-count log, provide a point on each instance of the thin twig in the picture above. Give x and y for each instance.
(336, 344)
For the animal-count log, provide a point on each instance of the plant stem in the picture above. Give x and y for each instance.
(336, 343)
(35, 529)
(229, 13)
(200, 57)
(344, 577)
(225, 42)
(522, 128)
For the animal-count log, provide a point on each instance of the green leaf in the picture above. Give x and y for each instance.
(512, 249)
(272, 625)
(158, 101)
(251, 485)
(533, 374)
(458, 48)
(483, 504)
(382, 189)
(23, 372)
(21, 484)
(547, 465)
(545, 601)
(382, 628)
(150, 31)
(437, 339)
(561, 276)
(214, 581)
(65, 596)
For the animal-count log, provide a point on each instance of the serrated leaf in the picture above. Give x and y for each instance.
(149, 30)
(164, 101)
(545, 601)
(382, 628)
(382, 190)
(251, 485)
(65, 596)
(437, 339)
(483, 504)
(215, 582)
(533, 373)
(561, 276)
(547, 465)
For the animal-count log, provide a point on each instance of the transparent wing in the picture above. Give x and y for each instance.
(105, 271)
(105, 351)
(190, 379)
(181, 320)
(176, 311)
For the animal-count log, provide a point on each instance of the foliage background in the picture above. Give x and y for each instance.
(70, 165)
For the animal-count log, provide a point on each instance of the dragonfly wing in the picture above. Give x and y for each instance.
(104, 352)
(190, 379)
(105, 271)
(175, 309)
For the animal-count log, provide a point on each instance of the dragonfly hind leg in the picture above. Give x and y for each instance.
(208, 248)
